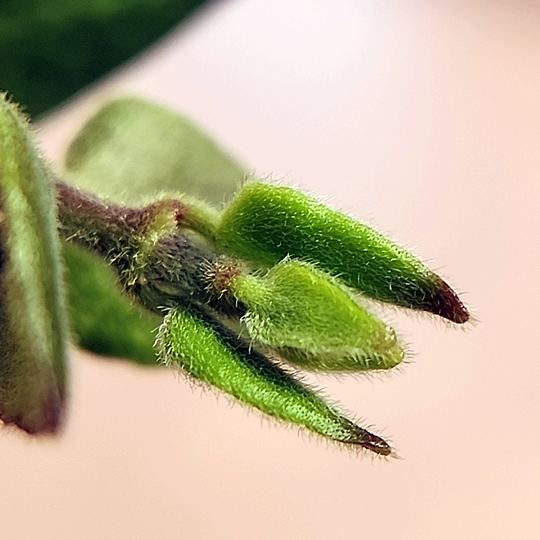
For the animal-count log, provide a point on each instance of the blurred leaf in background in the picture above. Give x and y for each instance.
(33, 328)
(53, 48)
(132, 149)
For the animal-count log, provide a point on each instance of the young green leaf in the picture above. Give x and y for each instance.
(32, 326)
(207, 351)
(312, 320)
(266, 223)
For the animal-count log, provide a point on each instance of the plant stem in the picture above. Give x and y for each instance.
(157, 250)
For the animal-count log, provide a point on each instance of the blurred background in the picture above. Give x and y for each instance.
(421, 118)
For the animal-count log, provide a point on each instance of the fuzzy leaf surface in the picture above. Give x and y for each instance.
(313, 321)
(266, 223)
(33, 330)
(208, 352)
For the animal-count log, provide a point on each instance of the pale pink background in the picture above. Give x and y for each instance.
(422, 117)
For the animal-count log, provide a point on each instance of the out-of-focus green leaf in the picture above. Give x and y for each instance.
(104, 320)
(131, 149)
(53, 48)
(32, 325)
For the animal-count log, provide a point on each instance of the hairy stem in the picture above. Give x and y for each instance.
(157, 250)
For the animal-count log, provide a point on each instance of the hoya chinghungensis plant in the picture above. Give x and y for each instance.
(150, 225)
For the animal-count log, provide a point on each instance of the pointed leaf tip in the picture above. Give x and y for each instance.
(207, 351)
(266, 223)
(446, 303)
(361, 437)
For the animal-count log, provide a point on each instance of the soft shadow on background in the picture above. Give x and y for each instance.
(421, 118)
